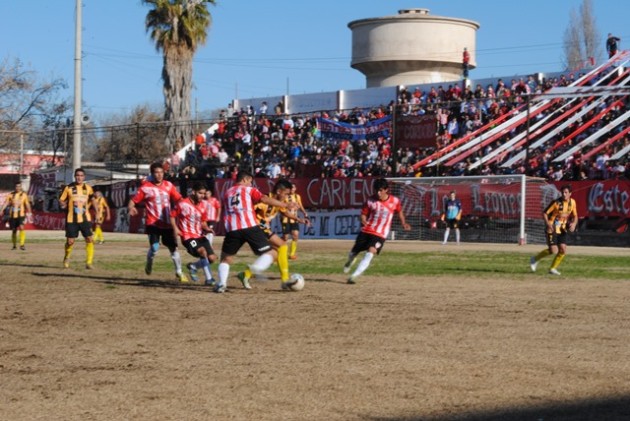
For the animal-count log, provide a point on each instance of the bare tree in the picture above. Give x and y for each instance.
(23, 97)
(581, 38)
(590, 35)
(135, 138)
(573, 54)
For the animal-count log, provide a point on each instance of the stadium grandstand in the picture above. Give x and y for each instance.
(567, 126)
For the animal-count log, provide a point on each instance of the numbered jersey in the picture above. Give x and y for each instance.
(560, 212)
(238, 207)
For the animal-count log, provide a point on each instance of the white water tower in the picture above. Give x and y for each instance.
(412, 47)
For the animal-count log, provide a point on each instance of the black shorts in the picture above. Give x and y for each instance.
(555, 239)
(254, 236)
(268, 232)
(452, 223)
(364, 241)
(288, 227)
(74, 228)
(165, 234)
(15, 223)
(194, 244)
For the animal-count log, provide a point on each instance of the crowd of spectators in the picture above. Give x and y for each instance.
(272, 144)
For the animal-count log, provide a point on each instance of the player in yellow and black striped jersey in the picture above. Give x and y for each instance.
(289, 225)
(560, 217)
(265, 215)
(77, 198)
(101, 214)
(19, 206)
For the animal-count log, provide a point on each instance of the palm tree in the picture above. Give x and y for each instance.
(178, 28)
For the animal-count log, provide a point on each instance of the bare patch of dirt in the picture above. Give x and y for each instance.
(97, 345)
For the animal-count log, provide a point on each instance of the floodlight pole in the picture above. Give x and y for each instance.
(76, 147)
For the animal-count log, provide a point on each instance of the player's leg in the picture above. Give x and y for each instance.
(14, 224)
(372, 245)
(86, 232)
(22, 235)
(295, 235)
(260, 245)
(232, 242)
(457, 234)
(283, 256)
(533, 261)
(562, 249)
(446, 234)
(154, 245)
(354, 252)
(98, 233)
(72, 232)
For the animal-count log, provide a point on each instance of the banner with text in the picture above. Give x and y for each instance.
(370, 130)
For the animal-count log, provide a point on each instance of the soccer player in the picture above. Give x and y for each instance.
(77, 198)
(157, 195)
(376, 220)
(188, 219)
(451, 216)
(213, 210)
(241, 226)
(560, 217)
(19, 206)
(265, 214)
(102, 214)
(290, 226)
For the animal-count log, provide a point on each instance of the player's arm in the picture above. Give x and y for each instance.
(275, 202)
(131, 208)
(293, 217)
(573, 217)
(219, 211)
(174, 225)
(299, 201)
(403, 220)
(63, 199)
(27, 205)
(5, 204)
(547, 217)
(459, 214)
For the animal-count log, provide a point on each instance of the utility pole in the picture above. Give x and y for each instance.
(76, 150)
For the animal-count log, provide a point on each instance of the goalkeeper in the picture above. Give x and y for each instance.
(451, 216)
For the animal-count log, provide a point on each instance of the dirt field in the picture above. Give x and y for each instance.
(97, 345)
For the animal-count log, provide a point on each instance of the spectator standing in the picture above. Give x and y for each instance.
(465, 62)
(612, 45)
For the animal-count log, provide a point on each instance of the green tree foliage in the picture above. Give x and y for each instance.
(178, 28)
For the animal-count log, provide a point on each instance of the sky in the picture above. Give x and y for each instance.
(274, 47)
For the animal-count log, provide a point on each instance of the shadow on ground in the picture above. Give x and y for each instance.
(610, 409)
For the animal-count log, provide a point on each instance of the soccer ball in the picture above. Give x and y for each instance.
(296, 282)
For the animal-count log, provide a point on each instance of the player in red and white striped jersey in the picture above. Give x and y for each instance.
(376, 218)
(188, 219)
(157, 195)
(241, 226)
(213, 209)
